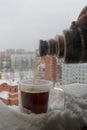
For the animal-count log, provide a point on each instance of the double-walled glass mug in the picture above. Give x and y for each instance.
(34, 97)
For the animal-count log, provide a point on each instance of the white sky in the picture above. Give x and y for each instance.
(24, 22)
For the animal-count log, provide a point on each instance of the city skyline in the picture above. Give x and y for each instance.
(24, 22)
(18, 50)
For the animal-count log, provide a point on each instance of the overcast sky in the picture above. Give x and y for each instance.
(24, 22)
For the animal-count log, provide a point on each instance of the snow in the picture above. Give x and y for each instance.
(75, 89)
(72, 117)
(13, 83)
(3, 81)
(4, 95)
(9, 82)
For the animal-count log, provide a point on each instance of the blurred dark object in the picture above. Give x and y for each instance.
(72, 44)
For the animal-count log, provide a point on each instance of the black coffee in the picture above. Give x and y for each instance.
(37, 102)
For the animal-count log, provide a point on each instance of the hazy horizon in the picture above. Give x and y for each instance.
(24, 22)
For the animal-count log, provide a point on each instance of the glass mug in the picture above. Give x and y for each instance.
(37, 97)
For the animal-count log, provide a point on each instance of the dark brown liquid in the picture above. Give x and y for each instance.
(36, 102)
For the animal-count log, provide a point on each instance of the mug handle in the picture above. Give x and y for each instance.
(56, 99)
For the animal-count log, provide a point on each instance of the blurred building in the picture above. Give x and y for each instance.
(22, 61)
(16, 59)
(5, 63)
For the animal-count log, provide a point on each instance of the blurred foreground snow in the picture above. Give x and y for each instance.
(72, 117)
